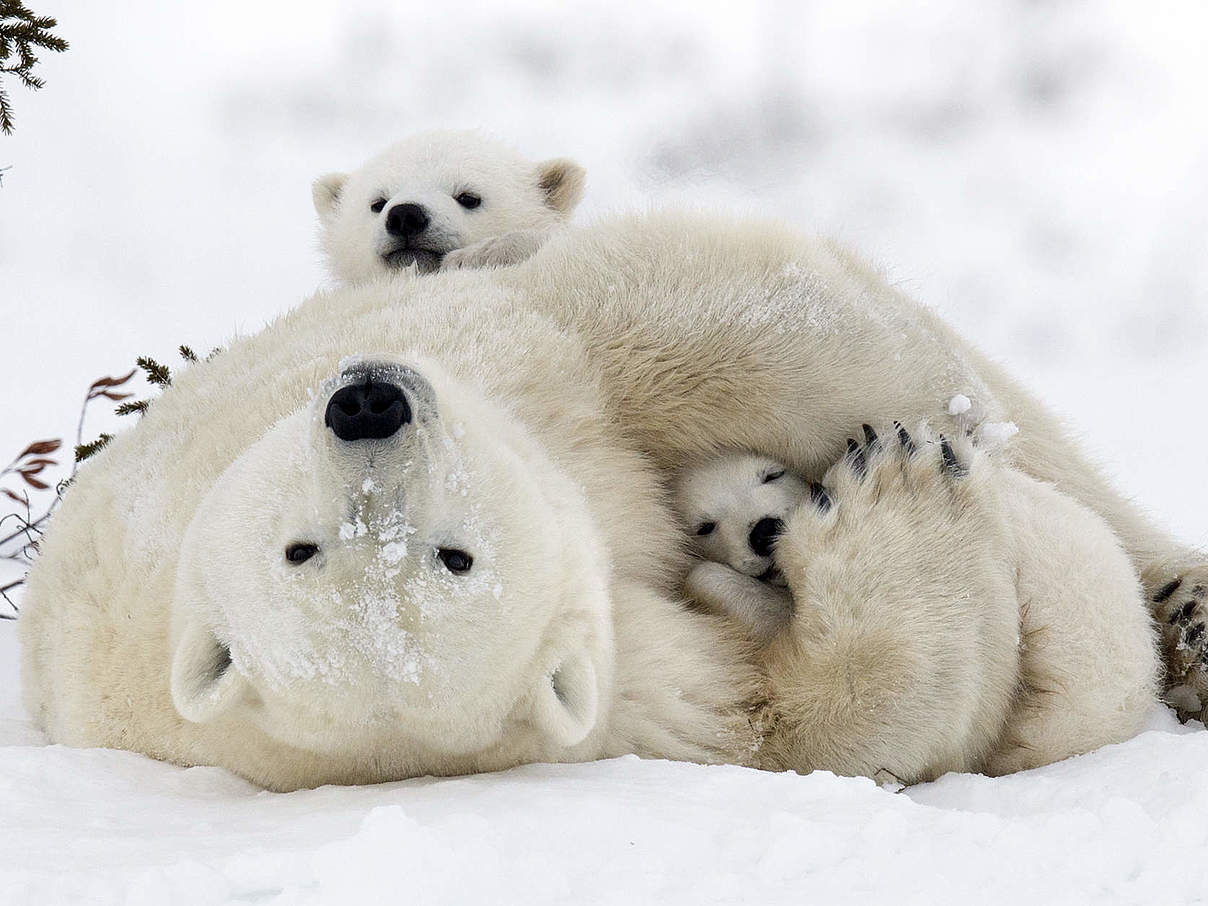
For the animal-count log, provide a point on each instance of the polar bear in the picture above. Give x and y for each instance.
(443, 199)
(733, 508)
(422, 527)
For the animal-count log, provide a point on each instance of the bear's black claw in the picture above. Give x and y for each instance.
(819, 497)
(871, 440)
(951, 463)
(1182, 614)
(1167, 590)
(859, 464)
(905, 439)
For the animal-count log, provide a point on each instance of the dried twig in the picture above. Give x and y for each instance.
(20, 530)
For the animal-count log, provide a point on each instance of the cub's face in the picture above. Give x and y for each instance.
(396, 567)
(733, 507)
(433, 193)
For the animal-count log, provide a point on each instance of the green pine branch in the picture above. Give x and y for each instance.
(21, 31)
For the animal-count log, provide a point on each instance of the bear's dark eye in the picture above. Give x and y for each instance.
(454, 560)
(468, 200)
(773, 476)
(706, 528)
(377, 206)
(300, 551)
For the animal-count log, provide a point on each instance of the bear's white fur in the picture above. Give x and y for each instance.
(565, 393)
(516, 205)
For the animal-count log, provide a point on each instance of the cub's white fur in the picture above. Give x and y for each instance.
(566, 392)
(402, 208)
(724, 502)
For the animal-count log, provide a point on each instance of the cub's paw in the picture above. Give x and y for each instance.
(761, 609)
(498, 251)
(1178, 595)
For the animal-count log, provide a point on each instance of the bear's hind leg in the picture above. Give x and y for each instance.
(900, 655)
(1089, 665)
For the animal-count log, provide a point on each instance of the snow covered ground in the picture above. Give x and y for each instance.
(1038, 171)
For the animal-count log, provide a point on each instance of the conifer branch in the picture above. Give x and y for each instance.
(156, 373)
(21, 31)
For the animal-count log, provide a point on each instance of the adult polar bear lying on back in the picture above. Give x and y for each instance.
(452, 553)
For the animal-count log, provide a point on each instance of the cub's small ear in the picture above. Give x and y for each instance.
(562, 182)
(326, 193)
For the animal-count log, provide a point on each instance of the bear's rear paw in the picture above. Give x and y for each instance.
(1179, 598)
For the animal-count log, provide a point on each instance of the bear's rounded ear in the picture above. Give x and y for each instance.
(567, 700)
(325, 191)
(204, 683)
(562, 182)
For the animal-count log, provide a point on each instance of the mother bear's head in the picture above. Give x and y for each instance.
(396, 567)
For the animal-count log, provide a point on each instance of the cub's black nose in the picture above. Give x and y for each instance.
(764, 534)
(408, 219)
(370, 410)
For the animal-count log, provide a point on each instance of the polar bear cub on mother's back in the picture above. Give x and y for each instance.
(442, 200)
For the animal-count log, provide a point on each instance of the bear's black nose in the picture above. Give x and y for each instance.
(764, 534)
(405, 220)
(371, 410)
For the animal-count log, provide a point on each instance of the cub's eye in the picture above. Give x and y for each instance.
(300, 552)
(468, 200)
(706, 528)
(773, 476)
(454, 560)
(377, 206)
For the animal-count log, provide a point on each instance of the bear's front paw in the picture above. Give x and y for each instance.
(896, 489)
(761, 609)
(498, 251)
(1179, 597)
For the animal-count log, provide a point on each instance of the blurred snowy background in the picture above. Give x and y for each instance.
(1035, 169)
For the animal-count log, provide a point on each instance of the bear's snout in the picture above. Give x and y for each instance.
(368, 410)
(762, 539)
(406, 220)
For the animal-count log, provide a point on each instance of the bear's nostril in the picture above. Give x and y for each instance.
(373, 410)
(763, 536)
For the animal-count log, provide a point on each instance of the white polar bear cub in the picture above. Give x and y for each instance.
(442, 200)
(733, 507)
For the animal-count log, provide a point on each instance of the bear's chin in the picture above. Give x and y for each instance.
(425, 260)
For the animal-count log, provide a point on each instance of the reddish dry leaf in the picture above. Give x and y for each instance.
(41, 446)
(116, 397)
(29, 479)
(112, 381)
(39, 462)
(7, 493)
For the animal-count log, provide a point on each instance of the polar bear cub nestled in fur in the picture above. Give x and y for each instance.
(733, 507)
(442, 200)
